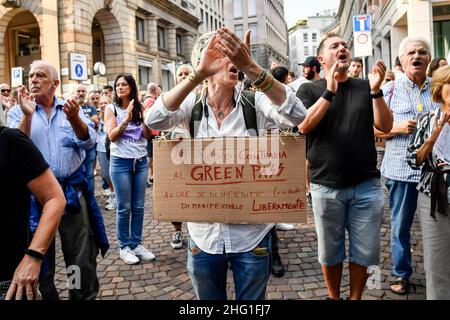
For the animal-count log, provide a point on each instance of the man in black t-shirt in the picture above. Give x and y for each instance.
(23, 169)
(345, 184)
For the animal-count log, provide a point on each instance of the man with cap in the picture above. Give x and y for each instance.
(311, 70)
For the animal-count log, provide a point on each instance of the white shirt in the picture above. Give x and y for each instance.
(297, 83)
(217, 238)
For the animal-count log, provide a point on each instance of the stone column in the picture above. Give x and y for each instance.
(420, 20)
(188, 44)
(152, 32)
(172, 40)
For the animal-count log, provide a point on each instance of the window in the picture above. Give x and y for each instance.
(314, 37)
(253, 27)
(179, 45)
(239, 31)
(251, 8)
(314, 53)
(140, 31)
(306, 51)
(145, 77)
(237, 9)
(161, 38)
(305, 37)
(254, 54)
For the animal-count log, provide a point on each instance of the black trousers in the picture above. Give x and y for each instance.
(80, 256)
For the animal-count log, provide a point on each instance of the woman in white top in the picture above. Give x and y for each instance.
(128, 167)
(218, 57)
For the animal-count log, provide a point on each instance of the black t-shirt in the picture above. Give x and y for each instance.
(341, 149)
(20, 162)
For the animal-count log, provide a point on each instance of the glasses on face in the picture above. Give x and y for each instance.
(6, 90)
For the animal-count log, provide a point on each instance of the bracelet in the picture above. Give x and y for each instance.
(377, 95)
(328, 95)
(269, 85)
(193, 76)
(261, 78)
(122, 127)
(34, 254)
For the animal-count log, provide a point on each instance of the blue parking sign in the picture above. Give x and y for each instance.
(362, 23)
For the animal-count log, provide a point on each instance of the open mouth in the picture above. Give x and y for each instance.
(342, 57)
(417, 63)
(233, 70)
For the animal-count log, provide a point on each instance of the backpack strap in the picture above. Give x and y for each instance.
(196, 115)
(248, 108)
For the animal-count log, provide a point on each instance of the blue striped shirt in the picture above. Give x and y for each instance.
(403, 97)
(55, 138)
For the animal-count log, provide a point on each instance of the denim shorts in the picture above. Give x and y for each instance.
(358, 210)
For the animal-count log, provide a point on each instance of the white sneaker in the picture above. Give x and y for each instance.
(284, 226)
(177, 240)
(111, 206)
(112, 198)
(128, 256)
(143, 253)
(106, 192)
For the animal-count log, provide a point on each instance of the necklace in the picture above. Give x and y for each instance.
(220, 114)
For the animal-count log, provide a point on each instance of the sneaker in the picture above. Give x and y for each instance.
(284, 226)
(143, 253)
(177, 240)
(309, 199)
(111, 206)
(149, 183)
(128, 256)
(111, 198)
(106, 192)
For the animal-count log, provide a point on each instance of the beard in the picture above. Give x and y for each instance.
(310, 75)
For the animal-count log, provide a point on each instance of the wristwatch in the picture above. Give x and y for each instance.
(376, 95)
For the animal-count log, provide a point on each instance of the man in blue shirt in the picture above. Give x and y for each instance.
(408, 97)
(61, 132)
(90, 112)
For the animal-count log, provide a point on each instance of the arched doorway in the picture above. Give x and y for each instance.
(107, 43)
(22, 40)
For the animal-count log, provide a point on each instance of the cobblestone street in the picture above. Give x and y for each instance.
(167, 278)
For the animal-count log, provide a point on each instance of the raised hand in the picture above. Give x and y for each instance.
(237, 51)
(26, 103)
(331, 77)
(212, 60)
(129, 115)
(71, 108)
(439, 125)
(376, 77)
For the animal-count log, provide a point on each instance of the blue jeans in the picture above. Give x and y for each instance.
(403, 203)
(357, 209)
(129, 180)
(251, 271)
(89, 164)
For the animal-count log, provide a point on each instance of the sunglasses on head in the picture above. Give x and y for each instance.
(6, 90)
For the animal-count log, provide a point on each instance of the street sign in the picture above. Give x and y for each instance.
(78, 66)
(16, 77)
(362, 35)
(362, 23)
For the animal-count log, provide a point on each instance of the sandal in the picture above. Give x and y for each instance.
(402, 285)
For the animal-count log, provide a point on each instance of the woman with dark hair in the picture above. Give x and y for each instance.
(129, 167)
(436, 63)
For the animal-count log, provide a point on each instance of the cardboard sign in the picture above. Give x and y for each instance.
(230, 180)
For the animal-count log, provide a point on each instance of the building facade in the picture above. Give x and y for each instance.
(211, 15)
(146, 38)
(305, 36)
(265, 19)
(393, 20)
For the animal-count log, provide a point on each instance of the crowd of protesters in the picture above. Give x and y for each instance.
(342, 115)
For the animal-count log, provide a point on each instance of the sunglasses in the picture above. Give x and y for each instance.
(6, 90)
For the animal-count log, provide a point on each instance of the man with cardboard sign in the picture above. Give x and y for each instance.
(230, 180)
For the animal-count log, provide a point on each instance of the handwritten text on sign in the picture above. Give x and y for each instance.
(230, 180)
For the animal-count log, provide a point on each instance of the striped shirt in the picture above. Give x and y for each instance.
(407, 101)
(424, 129)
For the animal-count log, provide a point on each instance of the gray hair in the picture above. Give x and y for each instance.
(183, 66)
(47, 65)
(152, 87)
(408, 40)
(200, 46)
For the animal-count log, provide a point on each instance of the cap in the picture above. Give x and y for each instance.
(311, 61)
